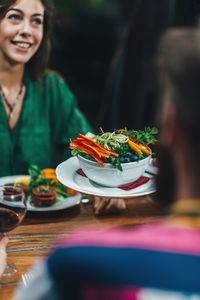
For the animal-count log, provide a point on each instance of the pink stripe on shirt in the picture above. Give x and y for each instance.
(107, 293)
(154, 236)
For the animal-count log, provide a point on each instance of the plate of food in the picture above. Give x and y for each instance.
(44, 192)
(111, 164)
(68, 175)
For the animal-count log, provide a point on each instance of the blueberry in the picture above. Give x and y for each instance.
(122, 160)
(134, 157)
(128, 154)
(127, 159)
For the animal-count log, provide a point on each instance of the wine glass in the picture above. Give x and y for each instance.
(13, 208)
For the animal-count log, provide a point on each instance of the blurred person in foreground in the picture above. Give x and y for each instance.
(160, 260)
(38, 112)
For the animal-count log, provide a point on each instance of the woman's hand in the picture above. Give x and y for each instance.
(3, 254)
(104, 204)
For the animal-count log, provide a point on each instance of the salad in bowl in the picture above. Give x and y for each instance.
(114, 158)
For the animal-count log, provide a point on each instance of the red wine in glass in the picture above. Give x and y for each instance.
(12, 211)
(8, 219)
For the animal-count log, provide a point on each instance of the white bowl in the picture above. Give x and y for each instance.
(111, 176)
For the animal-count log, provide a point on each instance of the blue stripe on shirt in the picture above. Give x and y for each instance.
(79, 266)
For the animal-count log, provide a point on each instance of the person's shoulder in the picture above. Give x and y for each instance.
(52, 77)
(52, 82)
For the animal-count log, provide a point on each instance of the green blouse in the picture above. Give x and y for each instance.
(49, 119)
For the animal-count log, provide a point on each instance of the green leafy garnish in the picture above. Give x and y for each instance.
(144, 136)
(115, 161)
(122, 150)
(38, 178)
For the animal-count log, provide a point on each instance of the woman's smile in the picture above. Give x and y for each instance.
(21, 31)
(22, 45)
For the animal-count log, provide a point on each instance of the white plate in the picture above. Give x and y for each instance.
(65, 203)
(67, 175)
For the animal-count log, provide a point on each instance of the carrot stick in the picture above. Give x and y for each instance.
(98, 146)
(144, 148)
(135, 147)
(90, 152)
(101, 130)
(102, 154)
(81, 143)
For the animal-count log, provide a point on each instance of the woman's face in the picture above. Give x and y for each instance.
(21, 31)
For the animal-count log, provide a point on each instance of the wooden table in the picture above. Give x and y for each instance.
(37, 235)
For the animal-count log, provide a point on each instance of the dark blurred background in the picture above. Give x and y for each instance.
(105, 49)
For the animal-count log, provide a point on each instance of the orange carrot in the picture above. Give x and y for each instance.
(89, 151)
(144, 148)
(122, 130)
(98, 146)
(95, 150)
(101, 130)
(102, 154)
(81, 143)
(135, 147)
(50, 174)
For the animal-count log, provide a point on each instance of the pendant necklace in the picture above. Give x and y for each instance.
(11, 106)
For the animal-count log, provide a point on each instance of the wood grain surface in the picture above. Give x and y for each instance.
(37, 235)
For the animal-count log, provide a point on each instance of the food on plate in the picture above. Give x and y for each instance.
(43, 195)
(110, 176)
(42, 187)
(50, 174)
(45, 187)
(10, 191)
(23, 179)
(71, 191)
(118, 147)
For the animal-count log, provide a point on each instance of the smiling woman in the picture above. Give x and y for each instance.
(38, 112)
(38, 63)
(21, 31)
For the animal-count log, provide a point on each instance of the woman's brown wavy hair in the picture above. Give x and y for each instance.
(37, 65)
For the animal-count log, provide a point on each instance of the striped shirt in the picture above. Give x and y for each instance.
(155, 261)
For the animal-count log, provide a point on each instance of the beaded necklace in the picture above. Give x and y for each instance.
(11, 106)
